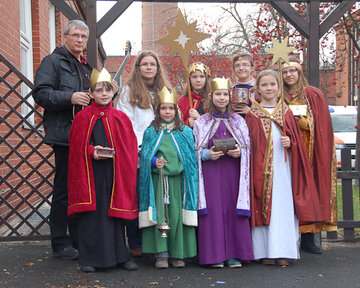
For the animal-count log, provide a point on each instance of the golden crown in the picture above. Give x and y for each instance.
(201, 67)
(292, 64)
(96, 77)
(219, 84)
(167, 97)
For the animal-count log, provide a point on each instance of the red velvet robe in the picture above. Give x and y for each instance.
(81, 186)
(306, 201)
(322, 159)
(184, 106)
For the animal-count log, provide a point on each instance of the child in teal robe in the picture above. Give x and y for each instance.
(168, 145)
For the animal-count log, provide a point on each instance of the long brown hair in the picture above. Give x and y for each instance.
(212, 108)
(139, 92)
(301, 84)
(205, 91)
(157, 121)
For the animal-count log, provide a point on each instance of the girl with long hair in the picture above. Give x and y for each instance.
(200, 88)
(282, 189)
(169, 186)
(138, 100)
(317, 134)
(223, 153)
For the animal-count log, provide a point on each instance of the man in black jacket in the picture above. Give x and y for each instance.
(60, 88)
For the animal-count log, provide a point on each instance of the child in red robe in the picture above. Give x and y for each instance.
(102, 178)
(200, 88)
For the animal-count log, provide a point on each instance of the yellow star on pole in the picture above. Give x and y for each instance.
(280, 50)
(182, 38)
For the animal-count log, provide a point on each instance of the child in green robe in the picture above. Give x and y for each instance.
(169, 186)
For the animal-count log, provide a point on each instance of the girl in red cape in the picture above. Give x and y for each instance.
(200, 88)
(102, 178)
(282, 189)
(318, 137)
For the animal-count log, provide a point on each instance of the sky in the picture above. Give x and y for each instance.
(128, 25)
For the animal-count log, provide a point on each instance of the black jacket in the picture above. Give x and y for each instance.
(57, 78)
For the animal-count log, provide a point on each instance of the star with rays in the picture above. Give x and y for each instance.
(280, 50)
(182, 38)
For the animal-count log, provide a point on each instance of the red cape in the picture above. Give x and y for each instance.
(121, 137)
(323, 153)
(184, 106)
(306, 201)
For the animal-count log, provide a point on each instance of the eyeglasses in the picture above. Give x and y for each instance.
(145, 65)
(77, 36)
(290, 71)
(245, 65)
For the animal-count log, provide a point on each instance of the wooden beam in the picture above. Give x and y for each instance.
(110, 17)
(292, 16)
(232, 1)
(65, 9)
(92, 45)
(335, 15)
(313, 44)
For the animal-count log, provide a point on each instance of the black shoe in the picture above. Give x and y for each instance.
(130, 265)
(88, 269)
(67, 253)
(308, 244)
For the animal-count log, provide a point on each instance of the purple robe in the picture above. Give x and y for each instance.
(224, 227)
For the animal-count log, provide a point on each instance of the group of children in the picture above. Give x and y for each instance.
(239, 172)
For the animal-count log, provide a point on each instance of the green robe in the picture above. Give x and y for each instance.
(181, 240)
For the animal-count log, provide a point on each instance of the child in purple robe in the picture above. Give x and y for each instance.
(224, 202)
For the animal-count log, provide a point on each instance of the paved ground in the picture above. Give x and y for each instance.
(32, 265)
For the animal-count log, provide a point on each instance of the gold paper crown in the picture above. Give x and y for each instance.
(201, 67)
(167, 97)
(292, 64)
(219, 84)
(96, 77)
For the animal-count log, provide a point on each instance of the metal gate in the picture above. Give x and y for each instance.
(26, 163)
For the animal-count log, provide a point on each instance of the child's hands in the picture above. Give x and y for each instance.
(160, 162)
(215, 155)
(285, 141)
(194, 114)
(241, 108)
(191, 122)
(96, 156)
(235, 153)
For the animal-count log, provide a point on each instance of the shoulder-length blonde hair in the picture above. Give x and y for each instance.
(301, 84)
(139, 92)
(267, 72)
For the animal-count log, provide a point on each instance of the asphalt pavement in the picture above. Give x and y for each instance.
(32, 265)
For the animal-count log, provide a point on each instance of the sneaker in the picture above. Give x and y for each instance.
(130, 265)
(177, 263)
(162, 263)
(233, 263)
(67, 253)
(88, 269)
(218, 265)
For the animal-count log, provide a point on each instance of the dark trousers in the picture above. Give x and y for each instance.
(60, 224)
(133, 232)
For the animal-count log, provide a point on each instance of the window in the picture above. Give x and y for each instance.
(26, 55)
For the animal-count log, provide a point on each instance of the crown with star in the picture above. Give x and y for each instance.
(201, 67)
(168, 97)
(96, 77)
(219, 84)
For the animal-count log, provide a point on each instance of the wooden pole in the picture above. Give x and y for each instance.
(282, 101)
(189, 87)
